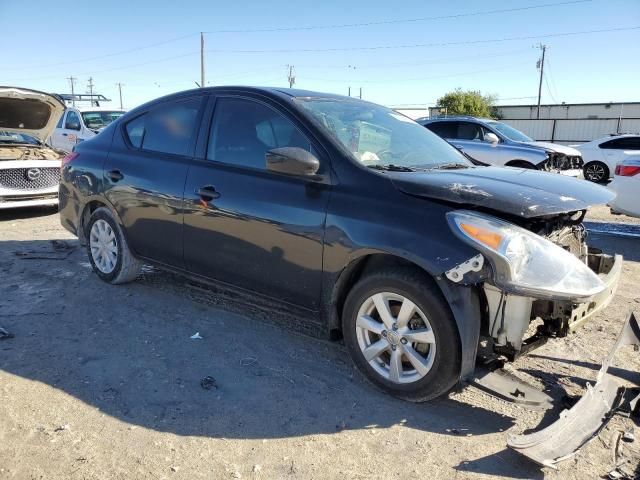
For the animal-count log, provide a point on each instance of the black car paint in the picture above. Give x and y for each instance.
(520, 192)
(296, 239)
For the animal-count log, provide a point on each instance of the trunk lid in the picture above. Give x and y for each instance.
(29, 112)
(515, 191)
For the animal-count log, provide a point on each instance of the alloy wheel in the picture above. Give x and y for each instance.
(104, 246)
(395, 337)
(595, 172)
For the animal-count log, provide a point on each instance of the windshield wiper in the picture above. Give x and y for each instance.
(451, 166)
(392, 168)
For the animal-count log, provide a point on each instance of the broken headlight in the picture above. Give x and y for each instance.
(525, 263)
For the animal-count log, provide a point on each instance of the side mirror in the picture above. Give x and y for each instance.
(72, 126)
(292, 161)
(491, 138)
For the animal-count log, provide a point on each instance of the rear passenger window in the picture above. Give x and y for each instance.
(443, 129)
(244, 130)
(135, 131)
(169, 128)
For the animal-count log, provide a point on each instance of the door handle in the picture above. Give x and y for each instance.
(208, 193)
(115, 175)
(65, 134)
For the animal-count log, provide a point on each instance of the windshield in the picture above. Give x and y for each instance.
(13, 137)
(378, 136)
(101, 119)
(510, 132)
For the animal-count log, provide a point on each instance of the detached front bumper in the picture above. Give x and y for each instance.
(605, 265)
(563, 438)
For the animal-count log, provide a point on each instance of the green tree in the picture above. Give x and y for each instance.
(467, 102)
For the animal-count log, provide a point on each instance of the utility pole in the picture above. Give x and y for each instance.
(91, 85)
(72, 82)
(349, 91)
(201, 59)
(541, 66)
(120, 91)
(360, 96)
(291, 76)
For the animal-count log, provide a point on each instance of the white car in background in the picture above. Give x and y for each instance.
(29, 169)
(81, 123)
(626, 185)
(601, 156)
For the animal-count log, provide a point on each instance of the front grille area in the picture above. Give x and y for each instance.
(29, 178)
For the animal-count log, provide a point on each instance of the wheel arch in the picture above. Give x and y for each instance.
(519, 163)
(464, 301)
(88, 208)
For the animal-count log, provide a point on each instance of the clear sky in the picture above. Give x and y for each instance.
(152, 47)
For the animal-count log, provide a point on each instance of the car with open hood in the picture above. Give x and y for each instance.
(353, 218)
(29, 169)
(496, 143)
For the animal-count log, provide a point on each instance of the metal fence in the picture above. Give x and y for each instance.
(579, 130)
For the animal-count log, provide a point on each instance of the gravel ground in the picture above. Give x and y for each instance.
(104, 381)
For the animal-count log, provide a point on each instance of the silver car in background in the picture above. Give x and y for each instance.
(496, 143)
(29, 169)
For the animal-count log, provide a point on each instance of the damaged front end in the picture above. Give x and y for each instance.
(558, 162)
(540, 270)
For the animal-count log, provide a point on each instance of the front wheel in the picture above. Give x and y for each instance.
(109, 253)
(401, 335)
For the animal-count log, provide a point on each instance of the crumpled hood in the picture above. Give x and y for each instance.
(522, 192)
(569, 151)
(29, 111)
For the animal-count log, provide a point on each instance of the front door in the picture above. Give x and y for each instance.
(245, 225)
(145, 174)
(65, 136)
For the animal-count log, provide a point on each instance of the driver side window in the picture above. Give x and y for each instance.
(73, 121)
(244, 130)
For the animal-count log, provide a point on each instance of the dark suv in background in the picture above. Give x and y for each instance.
(372, 226)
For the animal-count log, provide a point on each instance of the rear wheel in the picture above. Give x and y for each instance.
(596, 172)
(108, 251)
(401, 334)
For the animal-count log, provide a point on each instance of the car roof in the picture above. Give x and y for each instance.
(454, 118)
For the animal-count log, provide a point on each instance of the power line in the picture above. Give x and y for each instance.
(107, 55)
(423, 45)
(546, 82)
(417, 79)
(394, 22)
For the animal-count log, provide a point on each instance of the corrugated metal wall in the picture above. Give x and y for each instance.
(574, 131)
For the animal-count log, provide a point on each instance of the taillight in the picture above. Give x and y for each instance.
(627, 170)
(69, 158)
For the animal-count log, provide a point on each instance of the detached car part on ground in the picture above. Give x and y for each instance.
(367, 224)
(29, 169)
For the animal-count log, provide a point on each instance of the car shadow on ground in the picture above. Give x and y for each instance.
(127, 351)
(30, 212)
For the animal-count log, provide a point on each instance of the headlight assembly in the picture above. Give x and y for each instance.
(525, 263)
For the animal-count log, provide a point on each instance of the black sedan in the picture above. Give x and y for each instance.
(348, 211)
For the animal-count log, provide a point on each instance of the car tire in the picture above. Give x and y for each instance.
(109, 253)
(596, 172)
(393, 366)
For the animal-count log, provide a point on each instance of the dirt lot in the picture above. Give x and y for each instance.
(104, 381)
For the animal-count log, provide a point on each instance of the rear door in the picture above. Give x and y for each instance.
(249, 227)
(145, 173)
